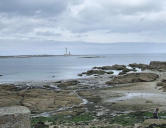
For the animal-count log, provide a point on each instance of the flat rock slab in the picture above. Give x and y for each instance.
(14, 117)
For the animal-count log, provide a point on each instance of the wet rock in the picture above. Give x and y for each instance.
(141, 66)
(133, 77)
(113, 67)
(1, 75)
(96, 72)
(126, 70)
(158, 65)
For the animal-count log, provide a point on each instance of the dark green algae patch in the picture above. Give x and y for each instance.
(128, 119)
(61, 119)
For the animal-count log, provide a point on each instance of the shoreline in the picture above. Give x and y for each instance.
(103, 96)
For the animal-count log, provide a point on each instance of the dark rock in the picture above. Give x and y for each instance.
(99, 72)
(122, 73)
(113, 67)
(111, 72)
(95, 72)
(80, 74)
(118, 67)
(126, 70)
(41, 125)
(158, 65)
(141, 66)
(133, 77)
(157, 126)
(1, 75)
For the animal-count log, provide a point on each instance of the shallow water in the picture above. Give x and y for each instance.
(132, 95)
(63, 67)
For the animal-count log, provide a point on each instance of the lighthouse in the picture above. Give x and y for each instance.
(67, 53)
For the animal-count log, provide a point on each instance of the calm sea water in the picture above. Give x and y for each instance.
(63, 67)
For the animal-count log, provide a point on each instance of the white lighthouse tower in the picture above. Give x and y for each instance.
(67, 53)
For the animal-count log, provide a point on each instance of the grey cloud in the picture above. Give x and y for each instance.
(48, 34)
(34, 7)
(118, 18)
(85, 20)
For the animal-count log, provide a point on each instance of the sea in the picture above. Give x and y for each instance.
(53, 68)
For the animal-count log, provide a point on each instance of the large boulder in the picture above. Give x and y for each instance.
(158, 65)
(15, 117)
(133, 77)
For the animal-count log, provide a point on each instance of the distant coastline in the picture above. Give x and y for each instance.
(79, 55)
(28, 56)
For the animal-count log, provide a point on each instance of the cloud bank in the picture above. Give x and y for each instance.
(83, 20)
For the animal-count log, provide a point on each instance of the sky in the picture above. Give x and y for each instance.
(94, 21)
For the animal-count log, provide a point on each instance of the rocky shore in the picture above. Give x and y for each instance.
(104, 100)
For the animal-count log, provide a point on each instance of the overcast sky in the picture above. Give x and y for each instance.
(101, 21)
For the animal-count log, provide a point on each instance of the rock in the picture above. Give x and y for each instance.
(110, 72)
(157, 126)
(1, 75)
(80, 74)
(126, 70)
(96, 72)
(9, 96)
(141, 66)
(90, 95)
(41, 125)
(37, 99)
(154, 123)
(122, 73)
(162, 84)
(118, 67)
(113, 67)
(41, 100)
(15, 117)
(133, 77)
(158, 65)
(66, 84)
